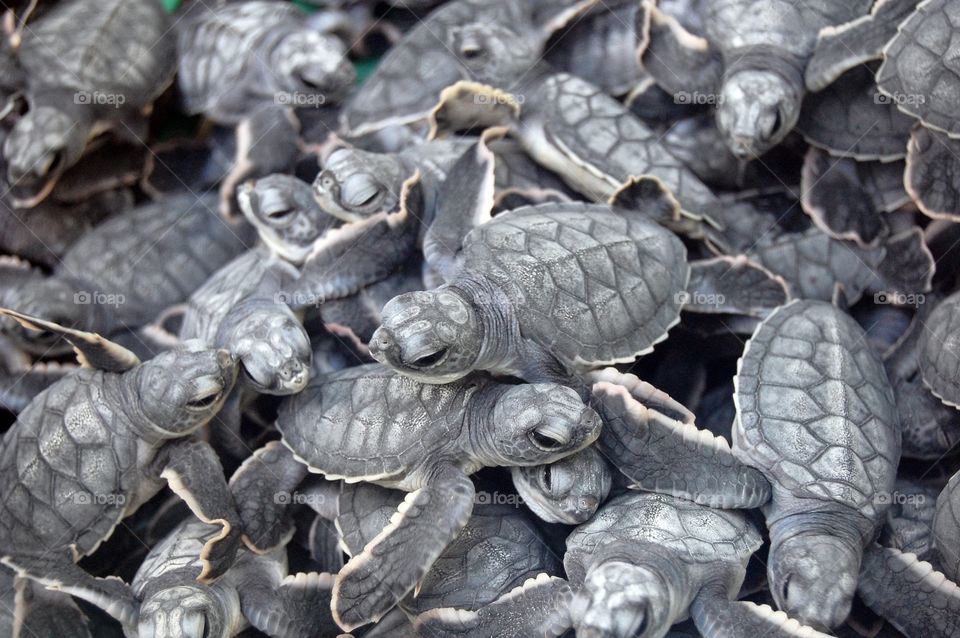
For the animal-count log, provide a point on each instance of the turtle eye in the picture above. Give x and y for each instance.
(545, 441)
(203, 402)
(547, 476)
(428, 360)
(471, 51)
(359, 190)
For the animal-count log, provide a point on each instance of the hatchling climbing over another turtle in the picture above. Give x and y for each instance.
(543, 292)
(92, 448)
(89, 65)
(641, 564)
(425, 439)
(816, 414)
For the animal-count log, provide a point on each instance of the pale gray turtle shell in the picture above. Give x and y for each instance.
(815, 411)
(579, 289)
(499, 548)
(111, 46)
(689, 532)
(919, 71)
(939, 348)
(370, 423)
(84, 473)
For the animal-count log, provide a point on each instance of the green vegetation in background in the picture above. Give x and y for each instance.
(171, 5)
(365, 67)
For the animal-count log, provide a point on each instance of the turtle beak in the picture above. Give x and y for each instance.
(383, 348)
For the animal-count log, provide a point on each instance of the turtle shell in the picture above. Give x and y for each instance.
(112, 46)
(815, 411)
(369, 423)
(919, 72)
(499, 548)
(590, 285)
(690, 532)
(939, 349)
(68, 467)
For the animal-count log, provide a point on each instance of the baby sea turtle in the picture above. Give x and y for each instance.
(751, 62)
(946, 525)
(816, 414)
(96, 445)
(130, 268)
(643, 563)
(524, 300)
(256, 590)
(458, 428)
(567, 491)
(89, 65)
(939, 351)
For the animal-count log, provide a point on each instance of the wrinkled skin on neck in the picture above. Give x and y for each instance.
(757, 109)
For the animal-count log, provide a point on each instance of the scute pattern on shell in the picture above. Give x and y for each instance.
(815, 410)
(940, 351)
(593, 287)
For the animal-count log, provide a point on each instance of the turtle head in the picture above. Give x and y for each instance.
(42, 144)
(568, 491)
(184, 611)
(274, 352)
(539, 423)
(433, 336)
(756, 110)
(492, 53)
(180, 390)
(283, 211)
(622, 600)
(54, 300)
(813, 578)
(313, 63)
(355, 184)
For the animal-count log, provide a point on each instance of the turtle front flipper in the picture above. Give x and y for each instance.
(910, 593)
(193, 471)
(734, 285)
(43, 612)
(472, 105)
(842, 47)
(345, 259)
(395, 561)
(663, 454)
(93, 351)
(465, 201)
(58, 573)
(298, 606)
(715, 616)
(682, 63)
(262, 487)
(538, 607)
(932, 166)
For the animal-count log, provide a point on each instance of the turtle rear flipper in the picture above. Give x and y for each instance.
(471, 105)
(395, 561)
(681, 62)
(297, 607)
(735, 285)
(93, 351)
(932, 173)
(910, 593)
(538, 607)
(465, 201)
(842, 47)
(717, 617)
(662, 454)
(58, 573)
(43, 612)
(261, 487)
(348, 258)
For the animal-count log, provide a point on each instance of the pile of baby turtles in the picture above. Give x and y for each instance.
(480, 318)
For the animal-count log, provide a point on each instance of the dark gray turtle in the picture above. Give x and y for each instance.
(933, 173)
(918, 73)
(426, 439)
(29, 609)
(918, 600)
(750, 62)
(643, 563)
(96, 445)
(816, 414)
(939, 351)
(524, 300)
(89, 65)
(568, 491)
(130, 268)
(256, 590)
(946, 529)
(498, 549)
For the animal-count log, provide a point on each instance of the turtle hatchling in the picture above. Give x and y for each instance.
(425, 439)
